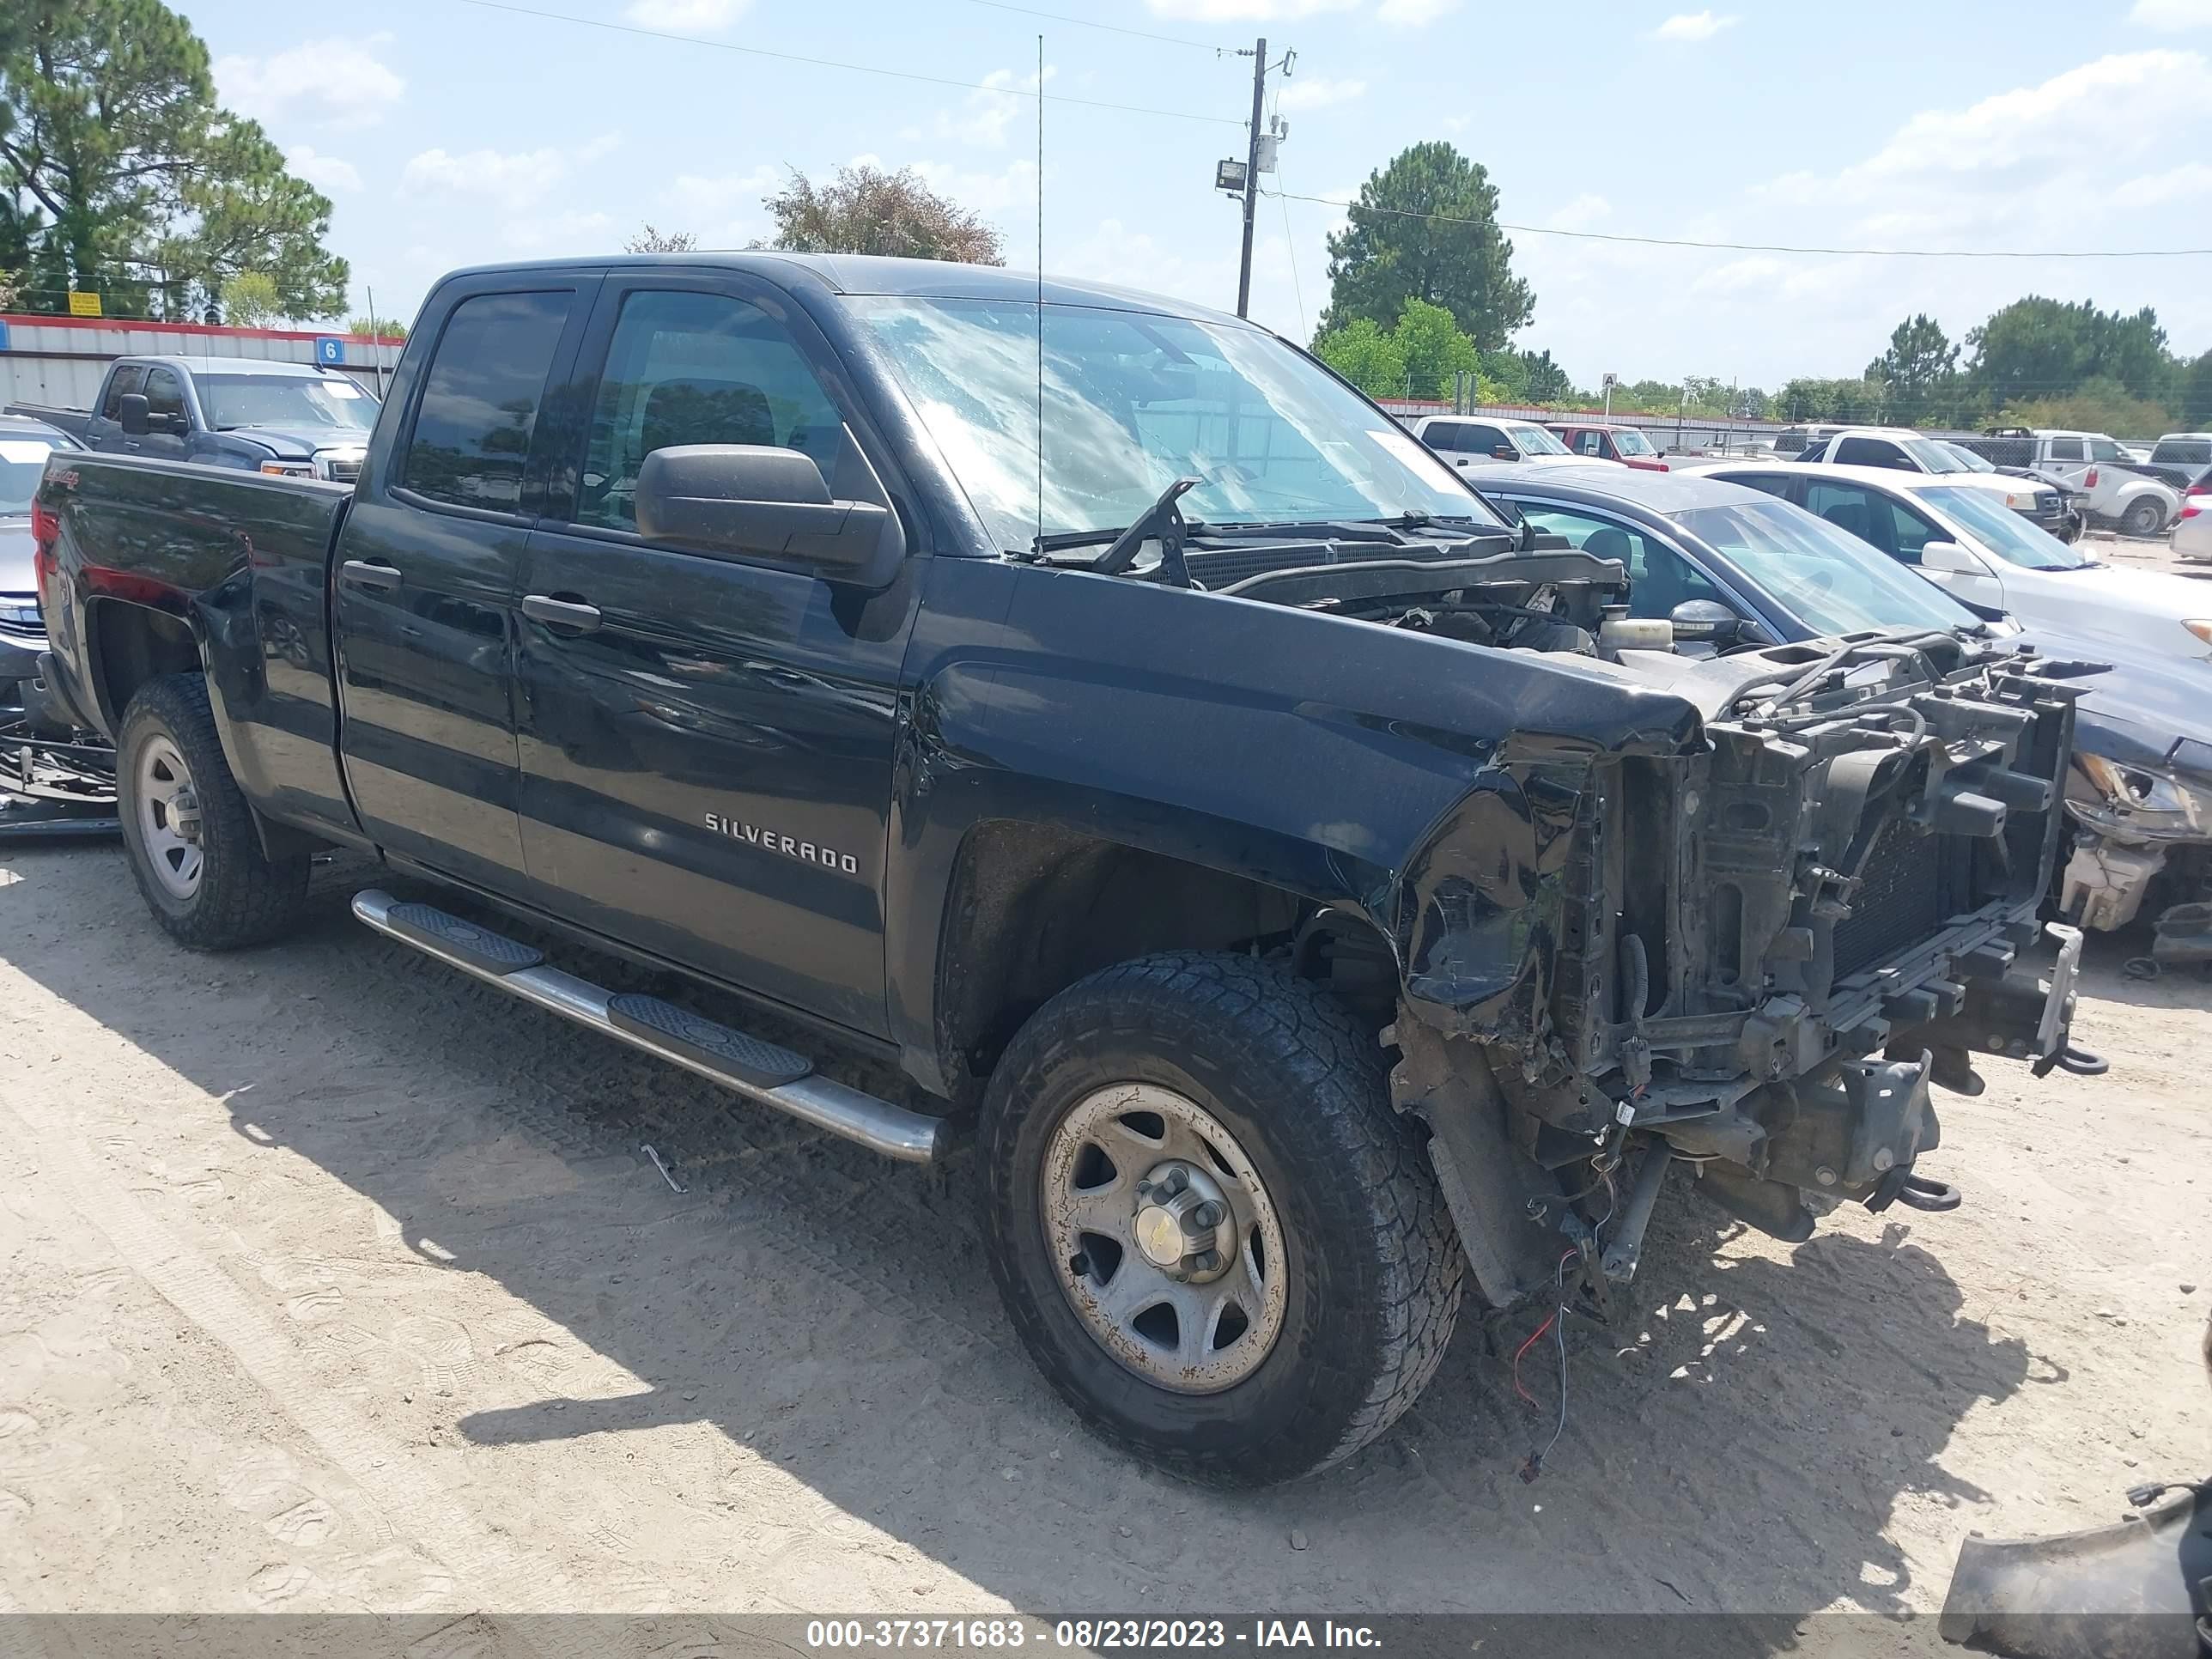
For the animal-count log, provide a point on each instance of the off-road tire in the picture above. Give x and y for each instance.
(243, 897)
(1374, 1266)
(2142, 518)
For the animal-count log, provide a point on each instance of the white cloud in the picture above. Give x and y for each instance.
(984, 118)
(2173, 14)
(685, 16)
(522, 176)
(2156, 189)
(1318, 92)
(1243, 11)
(1693, 26)
(338, 81)
(511, 177)
(1413, 14)
(325, 173)
(1582, 213)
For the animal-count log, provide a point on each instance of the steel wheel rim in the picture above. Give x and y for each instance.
(1220, 1323)
(168, 819)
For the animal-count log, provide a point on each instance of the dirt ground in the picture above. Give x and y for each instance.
(331, 1280)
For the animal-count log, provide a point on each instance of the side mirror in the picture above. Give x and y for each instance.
(735, 500)
(131, 414)
(1951, 559)
(1705, 622)
(1506, 452)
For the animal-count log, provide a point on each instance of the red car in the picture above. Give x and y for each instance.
(1607, 441)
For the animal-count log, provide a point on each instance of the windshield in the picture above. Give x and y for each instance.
(1534, 440)
(1935, 457)
(1629, 442)
(1967, 459)
(286, 400)
(1827, 578)
(1133, 401)
(21, 461)
(2002, 531)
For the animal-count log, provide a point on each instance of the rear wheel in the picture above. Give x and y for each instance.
(189, 834)
(2142, 517)
(1216, 1239)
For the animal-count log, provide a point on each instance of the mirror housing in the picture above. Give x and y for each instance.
(761, 501)
(1950, 558)
(131, 414)
(1704, 622)
(1504, 452)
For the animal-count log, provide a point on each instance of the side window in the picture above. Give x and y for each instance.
(1909, 532)
(1868, 452)
(1482, 440)
(2067, 449)
(1589, 443)
(2104, 449)
(472, 436)
(131, 377)
(697, 368)
(1852, 508)
(1445, 435)
(1772, 483)
(165, 398)
(1659, 578)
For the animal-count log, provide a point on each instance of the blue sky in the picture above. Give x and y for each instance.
(446, 133)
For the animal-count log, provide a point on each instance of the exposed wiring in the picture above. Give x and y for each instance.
(1556, 1323)
(1762, 247)
(1110, 28)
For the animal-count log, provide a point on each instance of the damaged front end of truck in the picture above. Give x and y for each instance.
(1752, 954)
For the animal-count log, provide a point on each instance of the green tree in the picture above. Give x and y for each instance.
(650, 241)
(1918, 369)
(2101, 405)
(1426, 227)
(1436, 349)
(2038, 348)
(381, 328)
(249, 300)
(866, 209)
(1546, 382)
(109, 131)
(1365, 356)
(1854, 402)
(2193, 393)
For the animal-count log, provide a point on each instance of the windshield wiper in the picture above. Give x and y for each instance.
(1163, 521)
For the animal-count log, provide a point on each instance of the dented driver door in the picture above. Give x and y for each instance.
(706, 741)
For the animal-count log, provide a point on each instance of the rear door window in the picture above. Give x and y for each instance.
(2066, 449)
(1868, 451)
(1445, 435)
(470, 441)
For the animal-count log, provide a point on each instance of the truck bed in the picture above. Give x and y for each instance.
(185, 539)
(71, 420)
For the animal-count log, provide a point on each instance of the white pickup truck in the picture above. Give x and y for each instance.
(2119, 495)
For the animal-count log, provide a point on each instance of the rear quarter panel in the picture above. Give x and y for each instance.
(241, 559)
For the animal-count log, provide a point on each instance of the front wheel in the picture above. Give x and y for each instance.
(187, 830)
(1215, 1236)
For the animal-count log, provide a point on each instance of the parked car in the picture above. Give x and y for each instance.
(46, 785)
(2192, 531)
(1258, 879)
(2140, 788)
(1466, 441)
(2041, 501)
(2183, 460)
(293, 420)
(1955, 532)
(2113, 492)
(1608, 441)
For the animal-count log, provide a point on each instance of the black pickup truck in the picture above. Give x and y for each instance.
(1316, 893)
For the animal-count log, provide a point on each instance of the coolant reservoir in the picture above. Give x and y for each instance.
(1618, 633)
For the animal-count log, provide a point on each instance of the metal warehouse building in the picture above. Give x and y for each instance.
(63, 360)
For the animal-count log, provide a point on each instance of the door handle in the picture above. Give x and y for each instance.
(370, 573)
(571, 614)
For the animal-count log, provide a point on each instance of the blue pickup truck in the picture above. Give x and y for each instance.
(293, 420)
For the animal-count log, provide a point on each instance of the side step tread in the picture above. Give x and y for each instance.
(762, 1064)
(494, 953)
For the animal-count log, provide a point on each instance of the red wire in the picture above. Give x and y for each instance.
(1534, 1338)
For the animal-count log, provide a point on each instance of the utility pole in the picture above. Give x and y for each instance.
(1252, 177)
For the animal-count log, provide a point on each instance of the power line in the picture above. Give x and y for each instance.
(1084, 23)
(1769, 248)
(831, 63)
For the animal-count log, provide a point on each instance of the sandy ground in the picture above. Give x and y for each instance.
(330, 1281)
